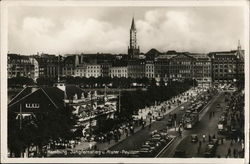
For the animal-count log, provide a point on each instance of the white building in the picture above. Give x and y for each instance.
(118, 71)
(93, 70)
(80, 71)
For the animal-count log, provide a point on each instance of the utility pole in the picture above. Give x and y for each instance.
(202, 74)
(58, 68)
(119, 100)
(90, 119)
(20, 115)
(193, 73)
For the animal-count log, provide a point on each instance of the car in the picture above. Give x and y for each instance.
(164, 134)
(182, 108)
(210, 150)
(148, 146)
(159, 118)
(180, 154)
(154, 132)
(194, 138)
(156, 137)
(146, 152)
(170, 122)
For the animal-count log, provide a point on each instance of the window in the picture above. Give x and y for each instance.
(32, 105)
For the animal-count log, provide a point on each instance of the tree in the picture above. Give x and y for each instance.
(19, 81)
(40, 130)
(46, 81)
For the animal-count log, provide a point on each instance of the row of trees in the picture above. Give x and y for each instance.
(132, 101)
(91, 82)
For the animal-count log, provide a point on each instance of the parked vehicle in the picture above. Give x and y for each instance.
(180, 154)
(194, 138)
(210, 150)
(159, 118)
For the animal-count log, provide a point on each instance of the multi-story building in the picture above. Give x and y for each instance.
(20, 66)
(69, 64)
(49, 65)
(202, 69)
(93, 70)
(105, 69)
(150, 69)
(181, 67)
(227, 66)
(118, 71)
(162, 67)
(81, 70)
(136, 68)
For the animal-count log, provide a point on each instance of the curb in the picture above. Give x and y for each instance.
(165, 147)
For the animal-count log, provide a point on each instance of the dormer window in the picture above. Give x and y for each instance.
(32, 105)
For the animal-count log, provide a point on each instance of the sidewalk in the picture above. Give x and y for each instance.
(143, 114)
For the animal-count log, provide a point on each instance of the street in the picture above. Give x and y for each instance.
(204, 126)
(207, 126)
(134, 142)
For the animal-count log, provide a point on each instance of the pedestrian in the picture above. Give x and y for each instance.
(204, 137)
(209, 138)
(198, 151)
(199, 143)
(234, 152)
(126, 131)
(214, 136)
(222, 140)
(143, 124)
(229, 152)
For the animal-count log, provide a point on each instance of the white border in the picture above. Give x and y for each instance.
(3, 87)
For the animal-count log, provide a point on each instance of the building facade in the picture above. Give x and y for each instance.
(20, 66)
(136, 68)
(202, 69)
(69, 65)
(93, 70)
(227, 66)
(150, 69)
(181, 67)
(119, 71)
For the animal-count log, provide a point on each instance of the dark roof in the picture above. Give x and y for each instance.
(153, 51)
(183, 53)
(233, 52)
(54, 94)
(71, 90)
(119, 63)
(70, 59)
(26, 91)
(18, 57)
(171, 52)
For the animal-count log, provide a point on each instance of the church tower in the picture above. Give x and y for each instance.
(133, 50)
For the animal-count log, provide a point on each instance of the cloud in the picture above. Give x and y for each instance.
(89, 36)
(185, 29)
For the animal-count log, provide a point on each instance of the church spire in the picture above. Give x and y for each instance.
(239, 46)
(133, 49)
(133, 24)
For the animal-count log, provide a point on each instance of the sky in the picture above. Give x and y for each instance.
(72, 29)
